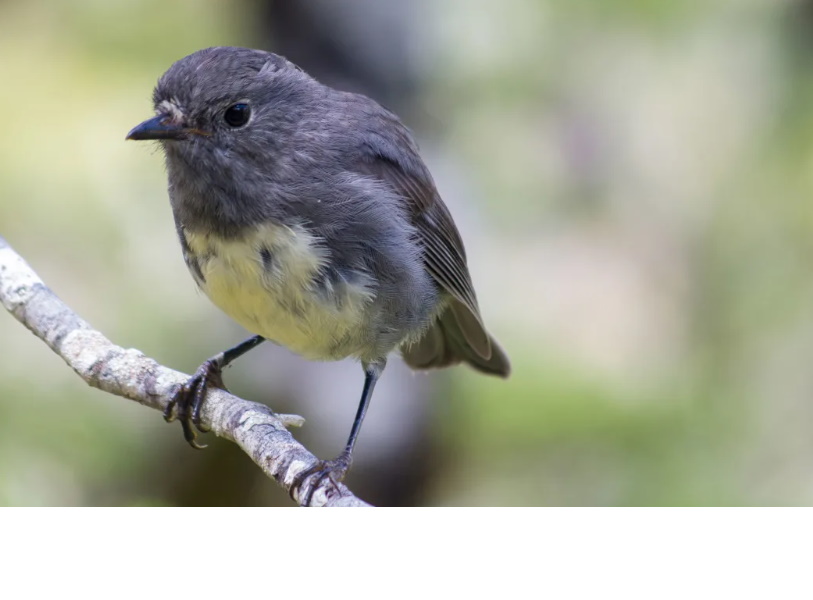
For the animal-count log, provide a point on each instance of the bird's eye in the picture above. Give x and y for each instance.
(237, 115)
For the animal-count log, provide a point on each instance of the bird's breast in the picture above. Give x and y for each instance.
(277, 281)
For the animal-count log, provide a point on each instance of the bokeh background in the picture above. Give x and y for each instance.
(634, 182)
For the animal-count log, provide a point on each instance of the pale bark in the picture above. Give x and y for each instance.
(260, 432)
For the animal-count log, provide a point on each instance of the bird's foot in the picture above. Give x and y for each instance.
(335, 470)
(186, 403)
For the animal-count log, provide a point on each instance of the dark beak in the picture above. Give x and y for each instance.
(161, 127)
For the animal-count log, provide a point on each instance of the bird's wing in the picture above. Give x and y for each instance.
(443, 252)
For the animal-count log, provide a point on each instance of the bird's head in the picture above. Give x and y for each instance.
(225, 104)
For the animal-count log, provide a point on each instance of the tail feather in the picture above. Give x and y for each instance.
(445, 344)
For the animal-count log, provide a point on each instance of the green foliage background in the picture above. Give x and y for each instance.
(640, 228)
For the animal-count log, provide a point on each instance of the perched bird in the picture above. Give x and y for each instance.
(307, 215)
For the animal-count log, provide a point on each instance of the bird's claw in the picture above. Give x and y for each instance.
(334, 470)
(186, 403)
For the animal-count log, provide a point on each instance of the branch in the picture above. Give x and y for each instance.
(128, 373)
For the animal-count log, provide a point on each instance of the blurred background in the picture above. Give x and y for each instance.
(633, 180)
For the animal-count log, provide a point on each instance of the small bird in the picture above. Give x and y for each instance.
(307, 215)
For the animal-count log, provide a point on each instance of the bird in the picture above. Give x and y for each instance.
(307, 215)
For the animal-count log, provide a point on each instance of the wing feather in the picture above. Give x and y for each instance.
(444, 254)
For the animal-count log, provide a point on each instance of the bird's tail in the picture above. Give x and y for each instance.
(444, 344)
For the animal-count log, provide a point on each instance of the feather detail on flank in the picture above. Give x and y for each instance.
(275, 281)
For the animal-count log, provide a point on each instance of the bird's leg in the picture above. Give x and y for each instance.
(188, 399)
(338, 467)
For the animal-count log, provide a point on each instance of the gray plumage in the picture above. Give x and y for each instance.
(307, 215)
(343, 177)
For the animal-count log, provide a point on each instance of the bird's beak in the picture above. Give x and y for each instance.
(162, 127)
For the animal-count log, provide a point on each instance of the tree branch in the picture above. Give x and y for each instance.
(128, 373)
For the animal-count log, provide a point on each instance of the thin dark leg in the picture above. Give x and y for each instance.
(338, 467)
(371, 375)
(189, 398)
(233, 354)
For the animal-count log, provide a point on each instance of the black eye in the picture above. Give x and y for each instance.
(237, 115)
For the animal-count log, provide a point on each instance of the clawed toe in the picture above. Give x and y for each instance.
(187, 402)
(334, 469)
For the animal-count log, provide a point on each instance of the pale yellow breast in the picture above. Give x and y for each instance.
(271, 282)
